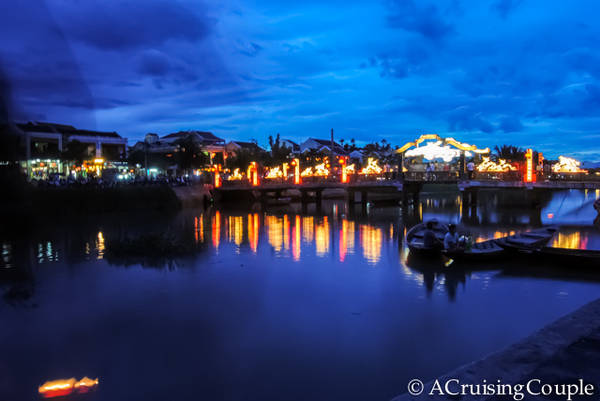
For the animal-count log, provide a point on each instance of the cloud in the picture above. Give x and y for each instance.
(424, 19)
(510, 124)
(128, 24)
(154, 63)
(465, 119)
(505, 7)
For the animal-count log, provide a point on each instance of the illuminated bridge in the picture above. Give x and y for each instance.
(429, 159)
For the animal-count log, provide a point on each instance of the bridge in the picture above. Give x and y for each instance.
(401, 187)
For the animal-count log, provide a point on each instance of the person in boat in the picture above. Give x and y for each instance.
(451, 238)
(429, 239)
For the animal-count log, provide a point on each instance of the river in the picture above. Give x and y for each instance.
(275, 304)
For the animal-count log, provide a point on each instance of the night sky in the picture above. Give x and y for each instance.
(524, 72)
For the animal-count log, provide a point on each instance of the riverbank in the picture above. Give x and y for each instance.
(27, 200)
(560, 353)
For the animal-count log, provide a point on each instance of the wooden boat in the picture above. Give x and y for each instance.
(527, 241)
(414, 239)
(570, 257)
(479, 251)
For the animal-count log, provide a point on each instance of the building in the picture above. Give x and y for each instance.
(235, 146)
(291, 144)
(167, 146)
(44, 143)
(322, 145)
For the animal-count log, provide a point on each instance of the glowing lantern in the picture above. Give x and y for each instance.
(217, 176)
(488, 165)
(307, 172)
(529, 174)
(274, 172)
(320, 170)
(236, 175)
(85, 385)
(435, 150)
(57, 388)
(60, 388)
(344, 172)
(253, 172)
(285, 170)
(297, 177)
(567, 165)
(371, 168)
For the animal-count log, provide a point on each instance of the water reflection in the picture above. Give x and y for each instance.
(369, 237)
(317, 281)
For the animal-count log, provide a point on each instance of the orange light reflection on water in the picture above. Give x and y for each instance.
(371, 239)
(297, 240)
(216, 229)
(574, 240)
(322, 237)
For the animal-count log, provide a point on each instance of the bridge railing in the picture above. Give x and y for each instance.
(498, 176)
(330, 179)
(577, 177)
(431, 176)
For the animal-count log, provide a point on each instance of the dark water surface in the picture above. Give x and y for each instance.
(274, 305)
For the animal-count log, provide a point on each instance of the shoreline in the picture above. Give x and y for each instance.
(543, 355)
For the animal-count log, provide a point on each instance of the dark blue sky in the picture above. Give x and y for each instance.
(524, 72)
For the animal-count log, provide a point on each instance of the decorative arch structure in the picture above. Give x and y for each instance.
(442, 142)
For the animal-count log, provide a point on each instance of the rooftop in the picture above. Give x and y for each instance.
(64, 129)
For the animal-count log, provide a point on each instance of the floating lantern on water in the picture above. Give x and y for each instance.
(85, 385)
(371, 168)
(61, 388)
(488, 165)
(567, 165)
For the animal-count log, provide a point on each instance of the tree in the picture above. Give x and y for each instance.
(75, 151)
(279, 152)
(510, 152)
(189, 155)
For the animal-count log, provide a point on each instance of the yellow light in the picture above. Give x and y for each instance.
(297, 177)
(344, 172)
(450, 141)
(274, 172)
(320, 170)
(371, 168)
(85, 385)
(529, 167)
(60, 388)
(217, 178)
(567, 165)
(236, 175)
(501, 166)
(99, 161)
(253, 173)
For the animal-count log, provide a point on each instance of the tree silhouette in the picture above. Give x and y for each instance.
(279, 152)
(510, 152)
